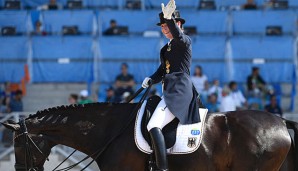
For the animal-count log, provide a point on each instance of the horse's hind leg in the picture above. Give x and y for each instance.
(288, 164)
(271, 161)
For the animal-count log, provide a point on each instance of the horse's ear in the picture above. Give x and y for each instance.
(12, 125)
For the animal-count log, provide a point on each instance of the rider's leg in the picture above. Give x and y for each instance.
(161, 117)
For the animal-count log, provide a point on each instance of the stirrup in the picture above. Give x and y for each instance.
(152, 164)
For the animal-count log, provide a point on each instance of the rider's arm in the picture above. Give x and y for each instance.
(157, 76)
(177, 33)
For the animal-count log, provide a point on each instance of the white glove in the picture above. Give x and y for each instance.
(169, 9)
(145, 83)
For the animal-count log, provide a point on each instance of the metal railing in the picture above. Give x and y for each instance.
(291, 116)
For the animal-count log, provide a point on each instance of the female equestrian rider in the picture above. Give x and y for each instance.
(179, 95)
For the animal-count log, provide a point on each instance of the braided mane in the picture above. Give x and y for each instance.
(73, 107)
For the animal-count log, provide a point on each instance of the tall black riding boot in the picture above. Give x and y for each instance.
(160, 150)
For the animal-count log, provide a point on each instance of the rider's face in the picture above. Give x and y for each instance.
(166, 31)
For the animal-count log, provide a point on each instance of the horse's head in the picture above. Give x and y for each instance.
(31, 150)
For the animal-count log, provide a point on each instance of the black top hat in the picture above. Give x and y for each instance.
(175, 15)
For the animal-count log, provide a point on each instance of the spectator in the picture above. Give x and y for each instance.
(16, 104)
(39, 29)
(199, 79)
(112, 30)
(204, 93)
(212, 104)
(110, 95)
(255, 82)
(73, 99)
(255, 86)
(255, 103)
(52, 5)
(273, 106)
(84, 95)
(124, 83)
(215, 88)
(227, 102)
(250, 5)
(5, 97)
(237, 96)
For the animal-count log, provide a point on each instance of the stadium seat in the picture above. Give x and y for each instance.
(255, 22)
(229, 3)
(236, 3)
(293, 3)
(18, 19)
(271, 72)
(207, 22)
(180, 4)
(132, 47)
(33, 4)
(55, 20)
(273, 55)
(13, 56)
(209, 52)
(62, 59)
(109, 69)
(141, 54)
(249, 47)
(137, 21)
(105, 3)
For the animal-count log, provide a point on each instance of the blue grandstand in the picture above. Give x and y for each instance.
(228, 43)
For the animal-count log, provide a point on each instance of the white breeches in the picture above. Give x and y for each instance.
(161, 116)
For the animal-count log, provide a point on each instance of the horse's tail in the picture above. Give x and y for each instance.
(294, 126)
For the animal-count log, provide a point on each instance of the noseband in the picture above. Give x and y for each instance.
(28, 151)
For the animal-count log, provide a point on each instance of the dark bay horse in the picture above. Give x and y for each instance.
(237, 141)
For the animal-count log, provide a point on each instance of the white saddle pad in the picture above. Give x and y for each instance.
(188, 138)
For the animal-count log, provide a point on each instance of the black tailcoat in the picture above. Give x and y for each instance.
(179, 93)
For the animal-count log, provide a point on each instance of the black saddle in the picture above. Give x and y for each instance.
(169, 131)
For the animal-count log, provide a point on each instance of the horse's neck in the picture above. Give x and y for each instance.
(85, 133)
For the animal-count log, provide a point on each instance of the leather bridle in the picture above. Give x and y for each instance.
(28, 150)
